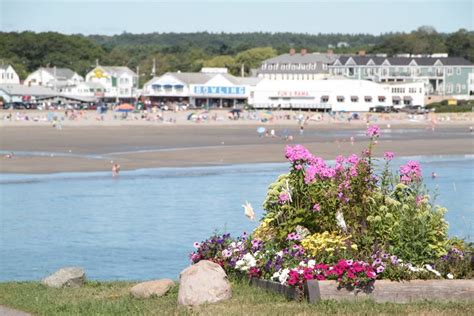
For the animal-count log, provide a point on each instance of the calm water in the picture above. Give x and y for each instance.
(142, 225)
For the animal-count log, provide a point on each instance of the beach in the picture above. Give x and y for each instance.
(94, 145)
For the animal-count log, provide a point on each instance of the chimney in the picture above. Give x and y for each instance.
(361, 53)
(330, 51)
(292, 51)
(303, 51)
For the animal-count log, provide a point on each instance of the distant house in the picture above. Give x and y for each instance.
(342, 44)
(118, 82)
(8, 75)
(443, 76)
(54, 77)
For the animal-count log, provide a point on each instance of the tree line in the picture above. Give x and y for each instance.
(27, 51)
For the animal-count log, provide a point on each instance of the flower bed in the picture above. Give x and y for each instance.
(353, 222)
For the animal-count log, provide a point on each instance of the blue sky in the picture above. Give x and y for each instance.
(145, 16)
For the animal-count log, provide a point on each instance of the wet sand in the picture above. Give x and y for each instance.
(43, 149)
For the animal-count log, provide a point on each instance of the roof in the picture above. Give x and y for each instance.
(281, 64)
(192, 77)
(60, 73)
(119, 70)
(303, 58)
(18, 89)
(405, 61)
(5, 67)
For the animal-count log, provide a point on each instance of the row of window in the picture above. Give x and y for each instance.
(277, 66)
(354, 98)
(7, 76)
(385, 71)
(289, 76)
(459, 88)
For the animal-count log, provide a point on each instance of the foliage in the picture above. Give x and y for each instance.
(344, 222)
(443, 107)
(27, 51)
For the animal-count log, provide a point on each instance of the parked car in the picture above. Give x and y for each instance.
(414, 109)
(382, 109)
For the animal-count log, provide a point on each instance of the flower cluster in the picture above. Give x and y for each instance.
(373, 131)
(298, 154)
(410, 172)
(348, 273)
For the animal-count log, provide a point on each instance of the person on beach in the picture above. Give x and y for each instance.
(301, 130)
(115, 170)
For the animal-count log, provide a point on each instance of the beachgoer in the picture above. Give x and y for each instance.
(272, 133)
(115, 170)
(301, 130)
(433, 175)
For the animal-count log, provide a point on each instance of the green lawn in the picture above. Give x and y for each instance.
(113, 298)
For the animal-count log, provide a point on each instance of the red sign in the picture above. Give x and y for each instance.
(293, 93)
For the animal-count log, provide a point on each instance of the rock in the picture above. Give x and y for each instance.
(156, 287)
(66, 277)
(204, 282)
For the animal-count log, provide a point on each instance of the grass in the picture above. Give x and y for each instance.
(113, 298)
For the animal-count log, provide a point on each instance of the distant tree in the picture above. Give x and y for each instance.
(252, 58)
(220, 61)
(461, 44)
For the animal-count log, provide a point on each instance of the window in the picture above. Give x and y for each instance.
(340, 98)
(368, 98)
(354, 98)
(450, 88)
(458, 88)
(325, 98)
(449, 71)
(381, 99)
(458, 71)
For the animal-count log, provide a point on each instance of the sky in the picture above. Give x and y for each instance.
(110, 17)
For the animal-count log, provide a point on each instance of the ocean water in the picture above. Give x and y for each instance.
(142, 224)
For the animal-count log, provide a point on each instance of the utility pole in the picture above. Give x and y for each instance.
(242, 70)
(153, 70)
(138, 81)
(97, 62)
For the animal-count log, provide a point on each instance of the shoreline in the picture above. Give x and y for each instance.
(75, 150)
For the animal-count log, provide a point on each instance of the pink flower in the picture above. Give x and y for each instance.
(353, 159)
(388, 155)
(298, 153)
(316, 207)
(373, 131)
(196, 245)
(283, 197)
(410, 172)
(380, 269)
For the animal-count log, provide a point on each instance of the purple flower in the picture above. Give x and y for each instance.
(380, 269)
(283, 197)
(373, 131)
(353, 159)
(316, 207)
(196, 245)
(388, 155)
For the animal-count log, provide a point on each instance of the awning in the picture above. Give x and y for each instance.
(368, 98)
(155, 86)
(325, 97)
(381, 97)
(340, 97)
(354, 97)
(396, 98)
(178, 86)
(407, 98)
(168, 86)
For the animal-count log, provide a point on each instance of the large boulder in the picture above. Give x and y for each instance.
(66, 277)
(204, 282)
(157, 288)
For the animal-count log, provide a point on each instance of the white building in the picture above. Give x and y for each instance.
(19, 93)
(8, 75)
(54, 77)
(118, 82)
(334, 94)
(216, 89)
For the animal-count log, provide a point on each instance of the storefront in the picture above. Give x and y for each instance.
(223, 96)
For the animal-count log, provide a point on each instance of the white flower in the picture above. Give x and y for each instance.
(428, 267)
(311, 263)
(283, 276)
(276, 275)
(280, 253)
(302, 264)
(450, 276)
(340, 220)
(233, 244)
(248, 211)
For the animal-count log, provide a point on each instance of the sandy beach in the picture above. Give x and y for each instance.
(93, 145)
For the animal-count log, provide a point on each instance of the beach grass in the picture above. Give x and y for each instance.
(113, 298)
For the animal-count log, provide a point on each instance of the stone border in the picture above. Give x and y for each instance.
(382, 291)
